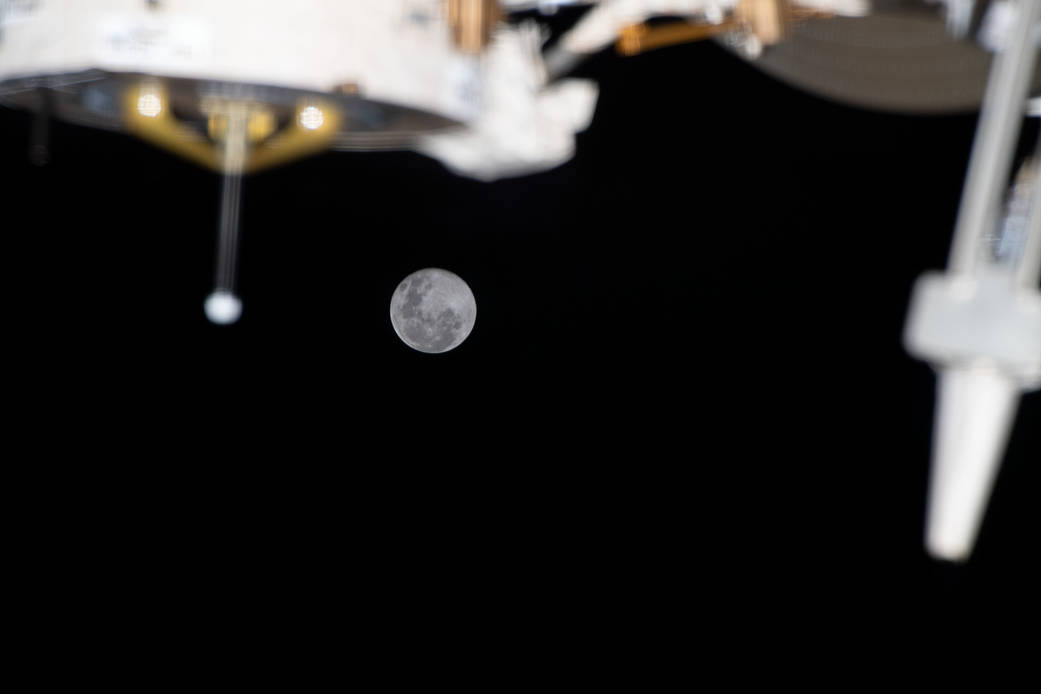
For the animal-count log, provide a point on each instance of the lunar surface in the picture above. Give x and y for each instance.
(433, 310)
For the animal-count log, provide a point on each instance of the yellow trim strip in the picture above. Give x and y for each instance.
(161, 128)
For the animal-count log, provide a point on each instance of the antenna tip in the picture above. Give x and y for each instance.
(222, 307)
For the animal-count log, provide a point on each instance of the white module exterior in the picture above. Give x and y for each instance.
(397, 52)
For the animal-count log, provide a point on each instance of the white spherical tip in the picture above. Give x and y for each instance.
(223, 307)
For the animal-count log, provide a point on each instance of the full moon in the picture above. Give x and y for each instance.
(433, 310)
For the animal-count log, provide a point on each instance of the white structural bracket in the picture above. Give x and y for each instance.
(963, 320)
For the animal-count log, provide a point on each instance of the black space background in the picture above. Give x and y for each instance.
(685, 394)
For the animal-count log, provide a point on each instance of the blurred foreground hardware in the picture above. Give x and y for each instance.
(240, 85)
(980, 323)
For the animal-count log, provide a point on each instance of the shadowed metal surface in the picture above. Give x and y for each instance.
(92, 97)
(900, 58)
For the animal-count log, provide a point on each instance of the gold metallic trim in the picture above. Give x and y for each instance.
(638, 38)
(472, 22)
(162, 129)
(296, 141)
(768, 20)
(147, 115)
